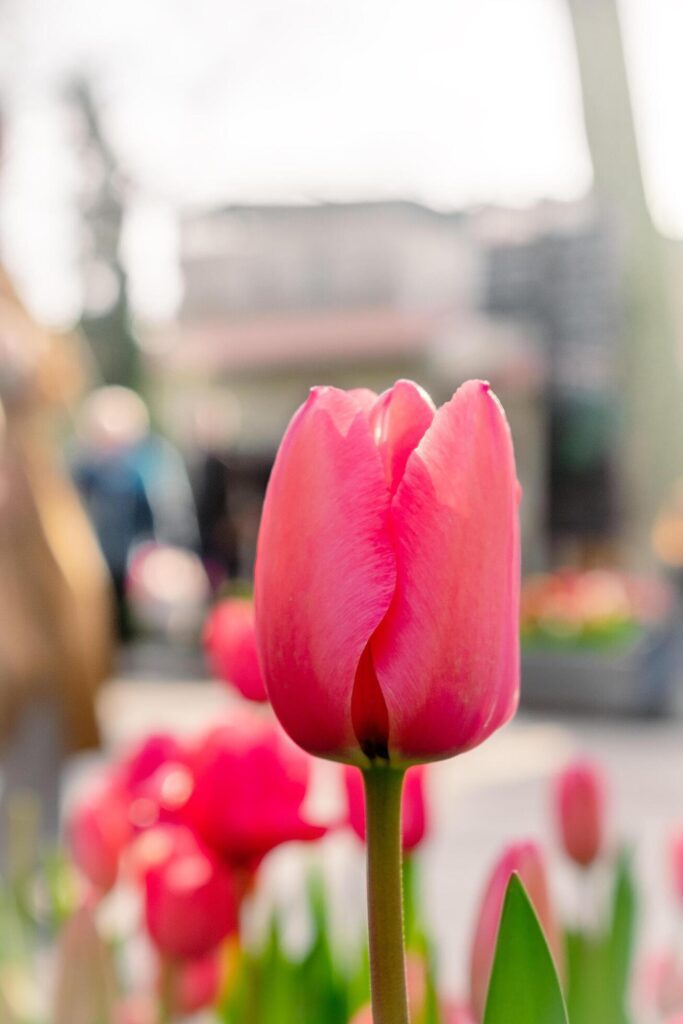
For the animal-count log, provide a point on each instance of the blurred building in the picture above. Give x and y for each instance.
(568, 309)
(278, 299)
(558, 268)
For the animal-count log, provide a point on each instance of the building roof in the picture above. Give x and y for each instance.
(292, 339)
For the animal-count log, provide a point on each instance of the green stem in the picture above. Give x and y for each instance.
(383, 788)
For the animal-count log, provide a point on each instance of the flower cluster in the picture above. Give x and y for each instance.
(594, 608)
(188, 824)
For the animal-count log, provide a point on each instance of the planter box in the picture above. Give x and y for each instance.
(639, 679)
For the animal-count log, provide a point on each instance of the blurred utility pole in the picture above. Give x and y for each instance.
(651, 430)
(106, 320)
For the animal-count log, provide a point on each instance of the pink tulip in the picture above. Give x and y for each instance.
(158, 846)
(416, 980)
(452, 1013)
(163, 798)
(250, 782)
(387, 576)
(99, 831)
(147, 757)
(580, 802)
(196, 984)
(677, 864)
(136, 1009)
(158, 781)
(414, 811)
(190, 905)
(526, 859)
(659, 989)
(230, 646)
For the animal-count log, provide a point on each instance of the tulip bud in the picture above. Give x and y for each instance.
(414, 811)
(250, 783)
(450, 1014)
(137, 1009)
(190, 905)
(167, 589)
(158, 846)
(230, 647)
(363, 1016)
(158, 781)
(147, 757)
(659, 988)
(526, 859)
(387, 575)
(677, 864)
(456, 1013)
(99, 830)
(580, 803)
(196, 984)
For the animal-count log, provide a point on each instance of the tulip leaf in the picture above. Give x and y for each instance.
(524, 986)
(621, 938)
(274, 986)
(599, 965)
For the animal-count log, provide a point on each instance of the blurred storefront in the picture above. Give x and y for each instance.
(278, 299)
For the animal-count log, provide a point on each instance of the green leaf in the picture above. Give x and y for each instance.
(621, 937)
(589, 991)
(599, 965)
(524, 987)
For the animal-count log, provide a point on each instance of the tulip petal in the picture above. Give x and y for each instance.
(325, 571)
(399, 419)
(364, 397)
(447, 652)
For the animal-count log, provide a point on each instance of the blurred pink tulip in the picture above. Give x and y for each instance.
(363, 1016)
(196, 983)
(144, 759)
(414, 811)
(167, 589)
(136, 1010)
(98, 831)
(677, 864)
(416, 980)
(659, 988)
(452, 1013)
(580, 805)
(190, 905)
(230, 646)
(250, 782)
(525, 859)
(387, 576)
(158, 846)
(158, 780)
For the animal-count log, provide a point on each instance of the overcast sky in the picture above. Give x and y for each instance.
(448, 101)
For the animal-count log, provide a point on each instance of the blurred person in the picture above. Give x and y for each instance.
(112, 422)
(133, 483)
(212, 429)
(55, 644)
(219, 542)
